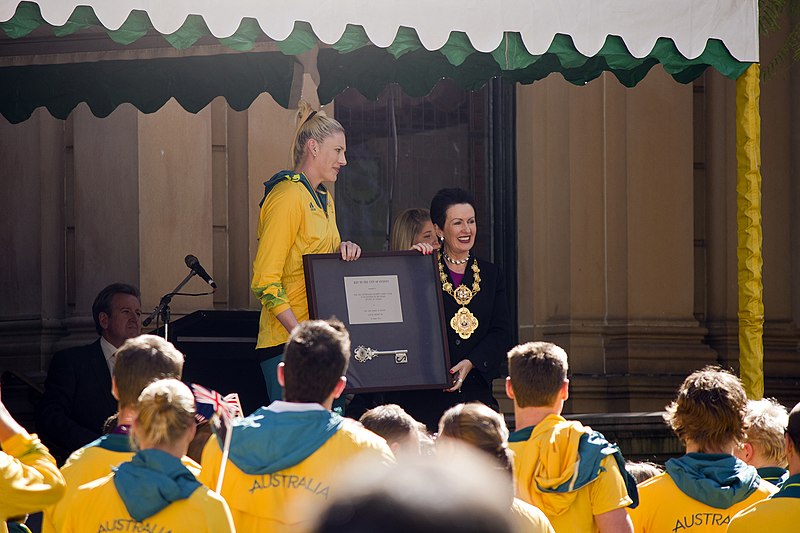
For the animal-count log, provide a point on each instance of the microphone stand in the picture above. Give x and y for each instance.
(162, 309)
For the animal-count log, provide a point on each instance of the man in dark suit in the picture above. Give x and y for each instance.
(77, 397)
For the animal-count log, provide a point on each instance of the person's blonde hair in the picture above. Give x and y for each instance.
(767, 421)
(166, 412)
(406, 226)
(310, 125)
(480, 426)
(710, 409)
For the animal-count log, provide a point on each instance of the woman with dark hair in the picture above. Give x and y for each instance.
(476, 314)
(297, 218)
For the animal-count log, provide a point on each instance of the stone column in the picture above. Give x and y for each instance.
(103, 244)
(609, 215)
(32, 240)
(175, 209)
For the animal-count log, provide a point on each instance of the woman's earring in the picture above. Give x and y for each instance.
(441, 239)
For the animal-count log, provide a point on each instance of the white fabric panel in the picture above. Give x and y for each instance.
(690, 23)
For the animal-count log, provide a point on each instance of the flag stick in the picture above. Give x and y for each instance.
(226, 447)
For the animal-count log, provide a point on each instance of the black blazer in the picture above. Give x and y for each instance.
(488, 346)
(77, 399)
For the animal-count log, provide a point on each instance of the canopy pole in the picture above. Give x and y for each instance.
(749, 233)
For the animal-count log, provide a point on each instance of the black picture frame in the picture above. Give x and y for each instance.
(421, 333)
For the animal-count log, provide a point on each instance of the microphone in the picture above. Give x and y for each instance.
(194, 264)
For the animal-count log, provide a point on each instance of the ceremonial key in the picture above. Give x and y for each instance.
(365, 353)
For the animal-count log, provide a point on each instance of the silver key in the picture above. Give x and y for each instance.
(363, 354)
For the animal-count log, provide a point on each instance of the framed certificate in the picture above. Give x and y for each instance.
(391, 303)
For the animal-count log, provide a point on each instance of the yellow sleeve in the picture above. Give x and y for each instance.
(29, 478)
(279, 224)
(608, 492)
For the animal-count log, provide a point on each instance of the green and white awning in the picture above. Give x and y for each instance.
(361, 44)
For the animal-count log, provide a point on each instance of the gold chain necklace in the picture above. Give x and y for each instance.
(463, 322)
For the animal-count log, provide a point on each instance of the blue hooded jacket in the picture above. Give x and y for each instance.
(717, 480)
(151, 481)
(267, 442)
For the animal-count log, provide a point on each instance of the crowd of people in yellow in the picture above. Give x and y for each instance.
(295, 465)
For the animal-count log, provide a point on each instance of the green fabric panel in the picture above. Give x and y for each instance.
(192, 29)
(301, 40)
(457, 48)
(27, 18)
(147, 84)
(134, 28)
(245, 36)
(512, 54)
(405, 41)
(353, 38)
(82, 18)
(617, 55)
(564, 48)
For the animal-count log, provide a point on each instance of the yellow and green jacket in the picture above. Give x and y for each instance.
(29, 478)
(698, 493)
(93, 461)
(780, 512)
(152, 492)
(285, 462)
(295, 220)
(570, 472)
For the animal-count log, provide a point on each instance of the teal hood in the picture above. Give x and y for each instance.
(267, 442)
(151, 481)
(718, 480)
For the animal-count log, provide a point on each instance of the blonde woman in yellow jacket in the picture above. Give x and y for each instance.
(153, 491)
(297, 218)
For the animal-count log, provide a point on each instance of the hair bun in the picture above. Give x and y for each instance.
(163, 398)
